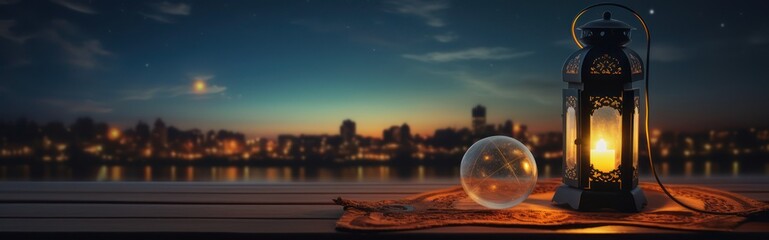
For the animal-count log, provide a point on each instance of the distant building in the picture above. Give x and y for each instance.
(349, 147)
(347, 130)
(142, 133)
(405, 134)
(159, 134)
(507, 128)
(479, 119)
(391, 135)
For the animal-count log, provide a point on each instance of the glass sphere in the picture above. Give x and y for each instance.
(498, 172)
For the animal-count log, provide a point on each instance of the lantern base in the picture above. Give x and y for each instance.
(593, 201)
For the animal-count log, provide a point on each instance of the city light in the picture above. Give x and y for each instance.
(146, 143)
(114, 133)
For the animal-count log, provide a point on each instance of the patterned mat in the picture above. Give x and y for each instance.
(452, 207)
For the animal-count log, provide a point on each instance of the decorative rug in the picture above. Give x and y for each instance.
(452, 207)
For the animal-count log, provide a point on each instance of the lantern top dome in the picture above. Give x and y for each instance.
(605, 32)
(606, 23)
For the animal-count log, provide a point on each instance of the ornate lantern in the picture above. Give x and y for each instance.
(601, 120)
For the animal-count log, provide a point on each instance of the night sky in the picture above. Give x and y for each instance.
(270, 67)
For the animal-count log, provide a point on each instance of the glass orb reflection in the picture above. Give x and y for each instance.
(498, 172)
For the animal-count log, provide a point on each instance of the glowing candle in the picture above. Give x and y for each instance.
(602, 158)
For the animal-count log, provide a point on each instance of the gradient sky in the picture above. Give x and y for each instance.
(303, 66)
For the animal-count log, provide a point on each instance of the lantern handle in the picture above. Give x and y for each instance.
(638, 16)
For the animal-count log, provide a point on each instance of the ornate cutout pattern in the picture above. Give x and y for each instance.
(605, 65)
(573, 66)
(606, 177)
(571, 101)
(635, 64)
(600, 101)
(570, 173)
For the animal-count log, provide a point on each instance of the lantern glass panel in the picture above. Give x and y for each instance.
(636, 113)
(605, 139)
(571, 138)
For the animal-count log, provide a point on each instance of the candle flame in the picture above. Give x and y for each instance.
(600, 145)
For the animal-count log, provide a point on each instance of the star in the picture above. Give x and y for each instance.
(723, 25)
(651, 11)
(146, 65)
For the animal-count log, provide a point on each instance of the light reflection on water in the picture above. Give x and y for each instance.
(350, 173)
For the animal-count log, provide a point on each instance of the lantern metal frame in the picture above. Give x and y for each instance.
(601, 74)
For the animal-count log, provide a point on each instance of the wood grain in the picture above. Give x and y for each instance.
(139, 210)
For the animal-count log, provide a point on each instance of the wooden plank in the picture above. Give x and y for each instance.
(239, 188)
(79, 212)
(168, 225)
(219, 188)
(287, 226)
(223, 225)
(187, 198)
(256, 209)
(169, 211)
(269, 194)
(231, 199)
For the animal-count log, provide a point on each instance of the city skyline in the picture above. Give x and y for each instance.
(87, 141)
(346, 130)
(271, 67)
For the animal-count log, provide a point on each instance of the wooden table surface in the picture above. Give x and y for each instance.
(206, 210)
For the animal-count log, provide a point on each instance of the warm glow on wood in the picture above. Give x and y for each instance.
(601, 157)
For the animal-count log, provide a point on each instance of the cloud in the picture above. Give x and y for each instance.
(78, 106)
(172, 8)
(176, 91)
(77, 48)
(156, 17)
(508, 85)
(427, 10)
(344, 30)
(5, 32)
(667, 53)
(75, 6)
(163, 11)
(79, 51)
(146, 94)
(186, 90)
(479, 53)
(446, 38)
(85, 54)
